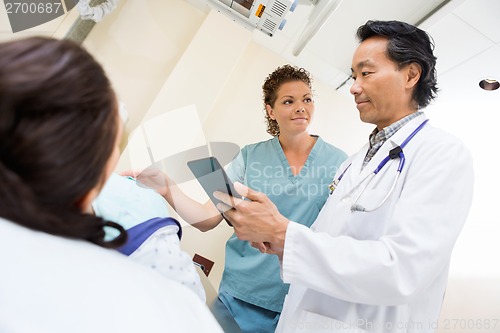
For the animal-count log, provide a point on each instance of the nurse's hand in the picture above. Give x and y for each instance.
(153, 178)
(255, 219)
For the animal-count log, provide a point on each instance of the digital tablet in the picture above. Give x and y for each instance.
(212, 177)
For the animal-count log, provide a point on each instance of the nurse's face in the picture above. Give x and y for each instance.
(293, 109)
(381, 90)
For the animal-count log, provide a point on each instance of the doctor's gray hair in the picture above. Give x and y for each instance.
(58, 128)
(407, 44)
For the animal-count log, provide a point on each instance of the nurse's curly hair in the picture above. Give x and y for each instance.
(58, 127)
(281, 75)
(407, 44)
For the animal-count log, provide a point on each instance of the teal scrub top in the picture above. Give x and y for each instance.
(249, 275)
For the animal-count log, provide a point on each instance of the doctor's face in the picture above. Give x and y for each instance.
(380, 87)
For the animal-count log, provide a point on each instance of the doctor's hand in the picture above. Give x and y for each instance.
(255, 219)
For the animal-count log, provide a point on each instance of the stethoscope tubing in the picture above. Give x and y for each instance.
(396, 152)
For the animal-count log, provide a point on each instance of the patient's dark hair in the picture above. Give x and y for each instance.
(58, 127)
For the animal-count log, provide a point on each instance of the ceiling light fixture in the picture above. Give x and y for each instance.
(489, 84)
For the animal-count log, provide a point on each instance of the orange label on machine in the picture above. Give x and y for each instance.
(260, 10)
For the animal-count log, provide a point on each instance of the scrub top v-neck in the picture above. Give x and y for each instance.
(249, 275)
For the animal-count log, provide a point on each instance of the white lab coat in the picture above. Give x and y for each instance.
(381, 271)
(52, 284)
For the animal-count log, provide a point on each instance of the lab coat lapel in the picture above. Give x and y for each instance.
(356, 175)
(400, 136)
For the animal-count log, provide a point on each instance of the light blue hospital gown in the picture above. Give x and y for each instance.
(124, 202)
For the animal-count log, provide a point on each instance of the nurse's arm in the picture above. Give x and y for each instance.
(202, 216)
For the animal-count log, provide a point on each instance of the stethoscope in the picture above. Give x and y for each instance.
(393, 154)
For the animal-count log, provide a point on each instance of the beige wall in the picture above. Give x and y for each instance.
(140, 44)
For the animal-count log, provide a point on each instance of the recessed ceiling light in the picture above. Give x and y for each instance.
(489, 84)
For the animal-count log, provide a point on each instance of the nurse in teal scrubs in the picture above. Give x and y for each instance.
(294, 169)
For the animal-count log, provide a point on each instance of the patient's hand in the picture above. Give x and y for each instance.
(152, 178)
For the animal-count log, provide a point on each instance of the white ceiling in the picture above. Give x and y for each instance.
(328, 53)
(466, 34)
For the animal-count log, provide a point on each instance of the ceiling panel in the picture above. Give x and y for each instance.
(485, 21)
(462, 83)
(456, 42)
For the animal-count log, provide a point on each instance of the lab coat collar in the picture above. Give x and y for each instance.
(394, 141)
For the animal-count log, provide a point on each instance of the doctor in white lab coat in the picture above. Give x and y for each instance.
(371, 263)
